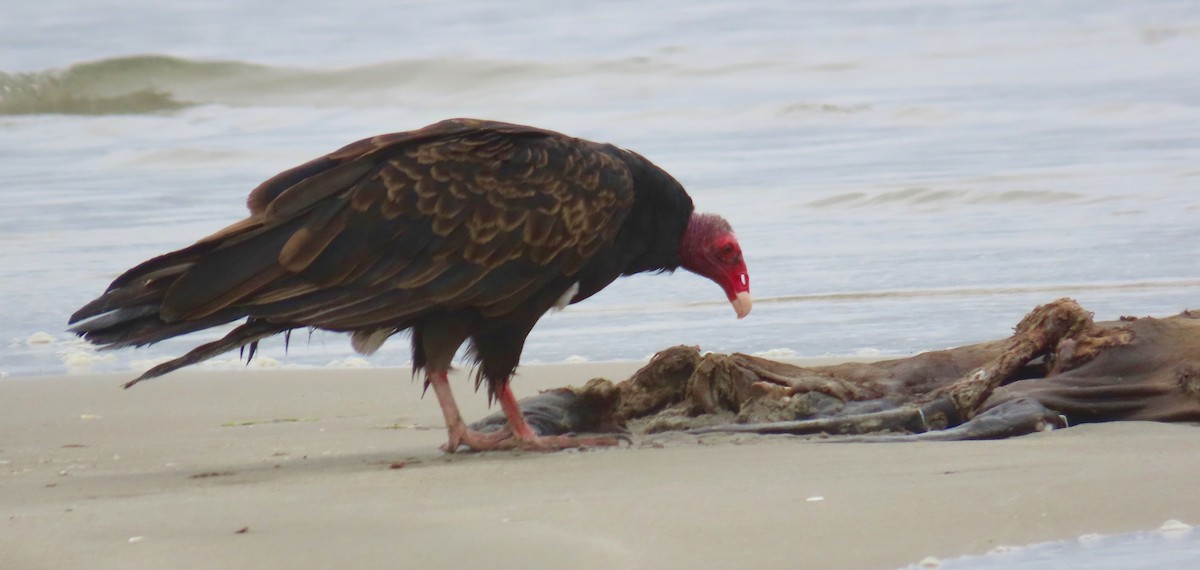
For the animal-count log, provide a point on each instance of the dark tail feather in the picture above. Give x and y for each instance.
(135, 311)
(111, 318)
(140, 326)
(119, 300)
(145, 284)
(131, 315)
(128, 313)
(249, 333)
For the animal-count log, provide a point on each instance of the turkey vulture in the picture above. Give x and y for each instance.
(463, 231)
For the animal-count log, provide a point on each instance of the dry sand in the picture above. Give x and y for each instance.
(340, 469)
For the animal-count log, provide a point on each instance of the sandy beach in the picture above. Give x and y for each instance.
(341, 468)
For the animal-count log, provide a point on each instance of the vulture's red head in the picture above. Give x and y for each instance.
(709, 248)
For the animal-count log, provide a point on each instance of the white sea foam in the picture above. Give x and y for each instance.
(1177, 548)
(1174, 527)
(259, 361)
(776, 353)
(39, 339)
(349, 362)
(77, 361)
(144, 364)
(1090, 539)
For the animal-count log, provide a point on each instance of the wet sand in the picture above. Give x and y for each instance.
(340, 468)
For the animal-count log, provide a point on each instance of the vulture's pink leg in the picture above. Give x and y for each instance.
(457, 429)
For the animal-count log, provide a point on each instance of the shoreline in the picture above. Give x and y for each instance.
(325, 467)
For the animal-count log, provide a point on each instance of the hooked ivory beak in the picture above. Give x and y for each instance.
(742, 304)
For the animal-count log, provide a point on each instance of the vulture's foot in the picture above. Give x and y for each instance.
(461, 435)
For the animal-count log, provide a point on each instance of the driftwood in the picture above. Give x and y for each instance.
(1058, 369)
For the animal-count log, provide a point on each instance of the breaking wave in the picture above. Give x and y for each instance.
(127, 85)
(930, 197)
(158, 83)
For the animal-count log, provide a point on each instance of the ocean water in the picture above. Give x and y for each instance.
(1175, 546)
(904, 175)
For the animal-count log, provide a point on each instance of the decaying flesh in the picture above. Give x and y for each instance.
(1058, 369)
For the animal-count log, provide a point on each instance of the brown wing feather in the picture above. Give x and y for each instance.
(459, 214)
